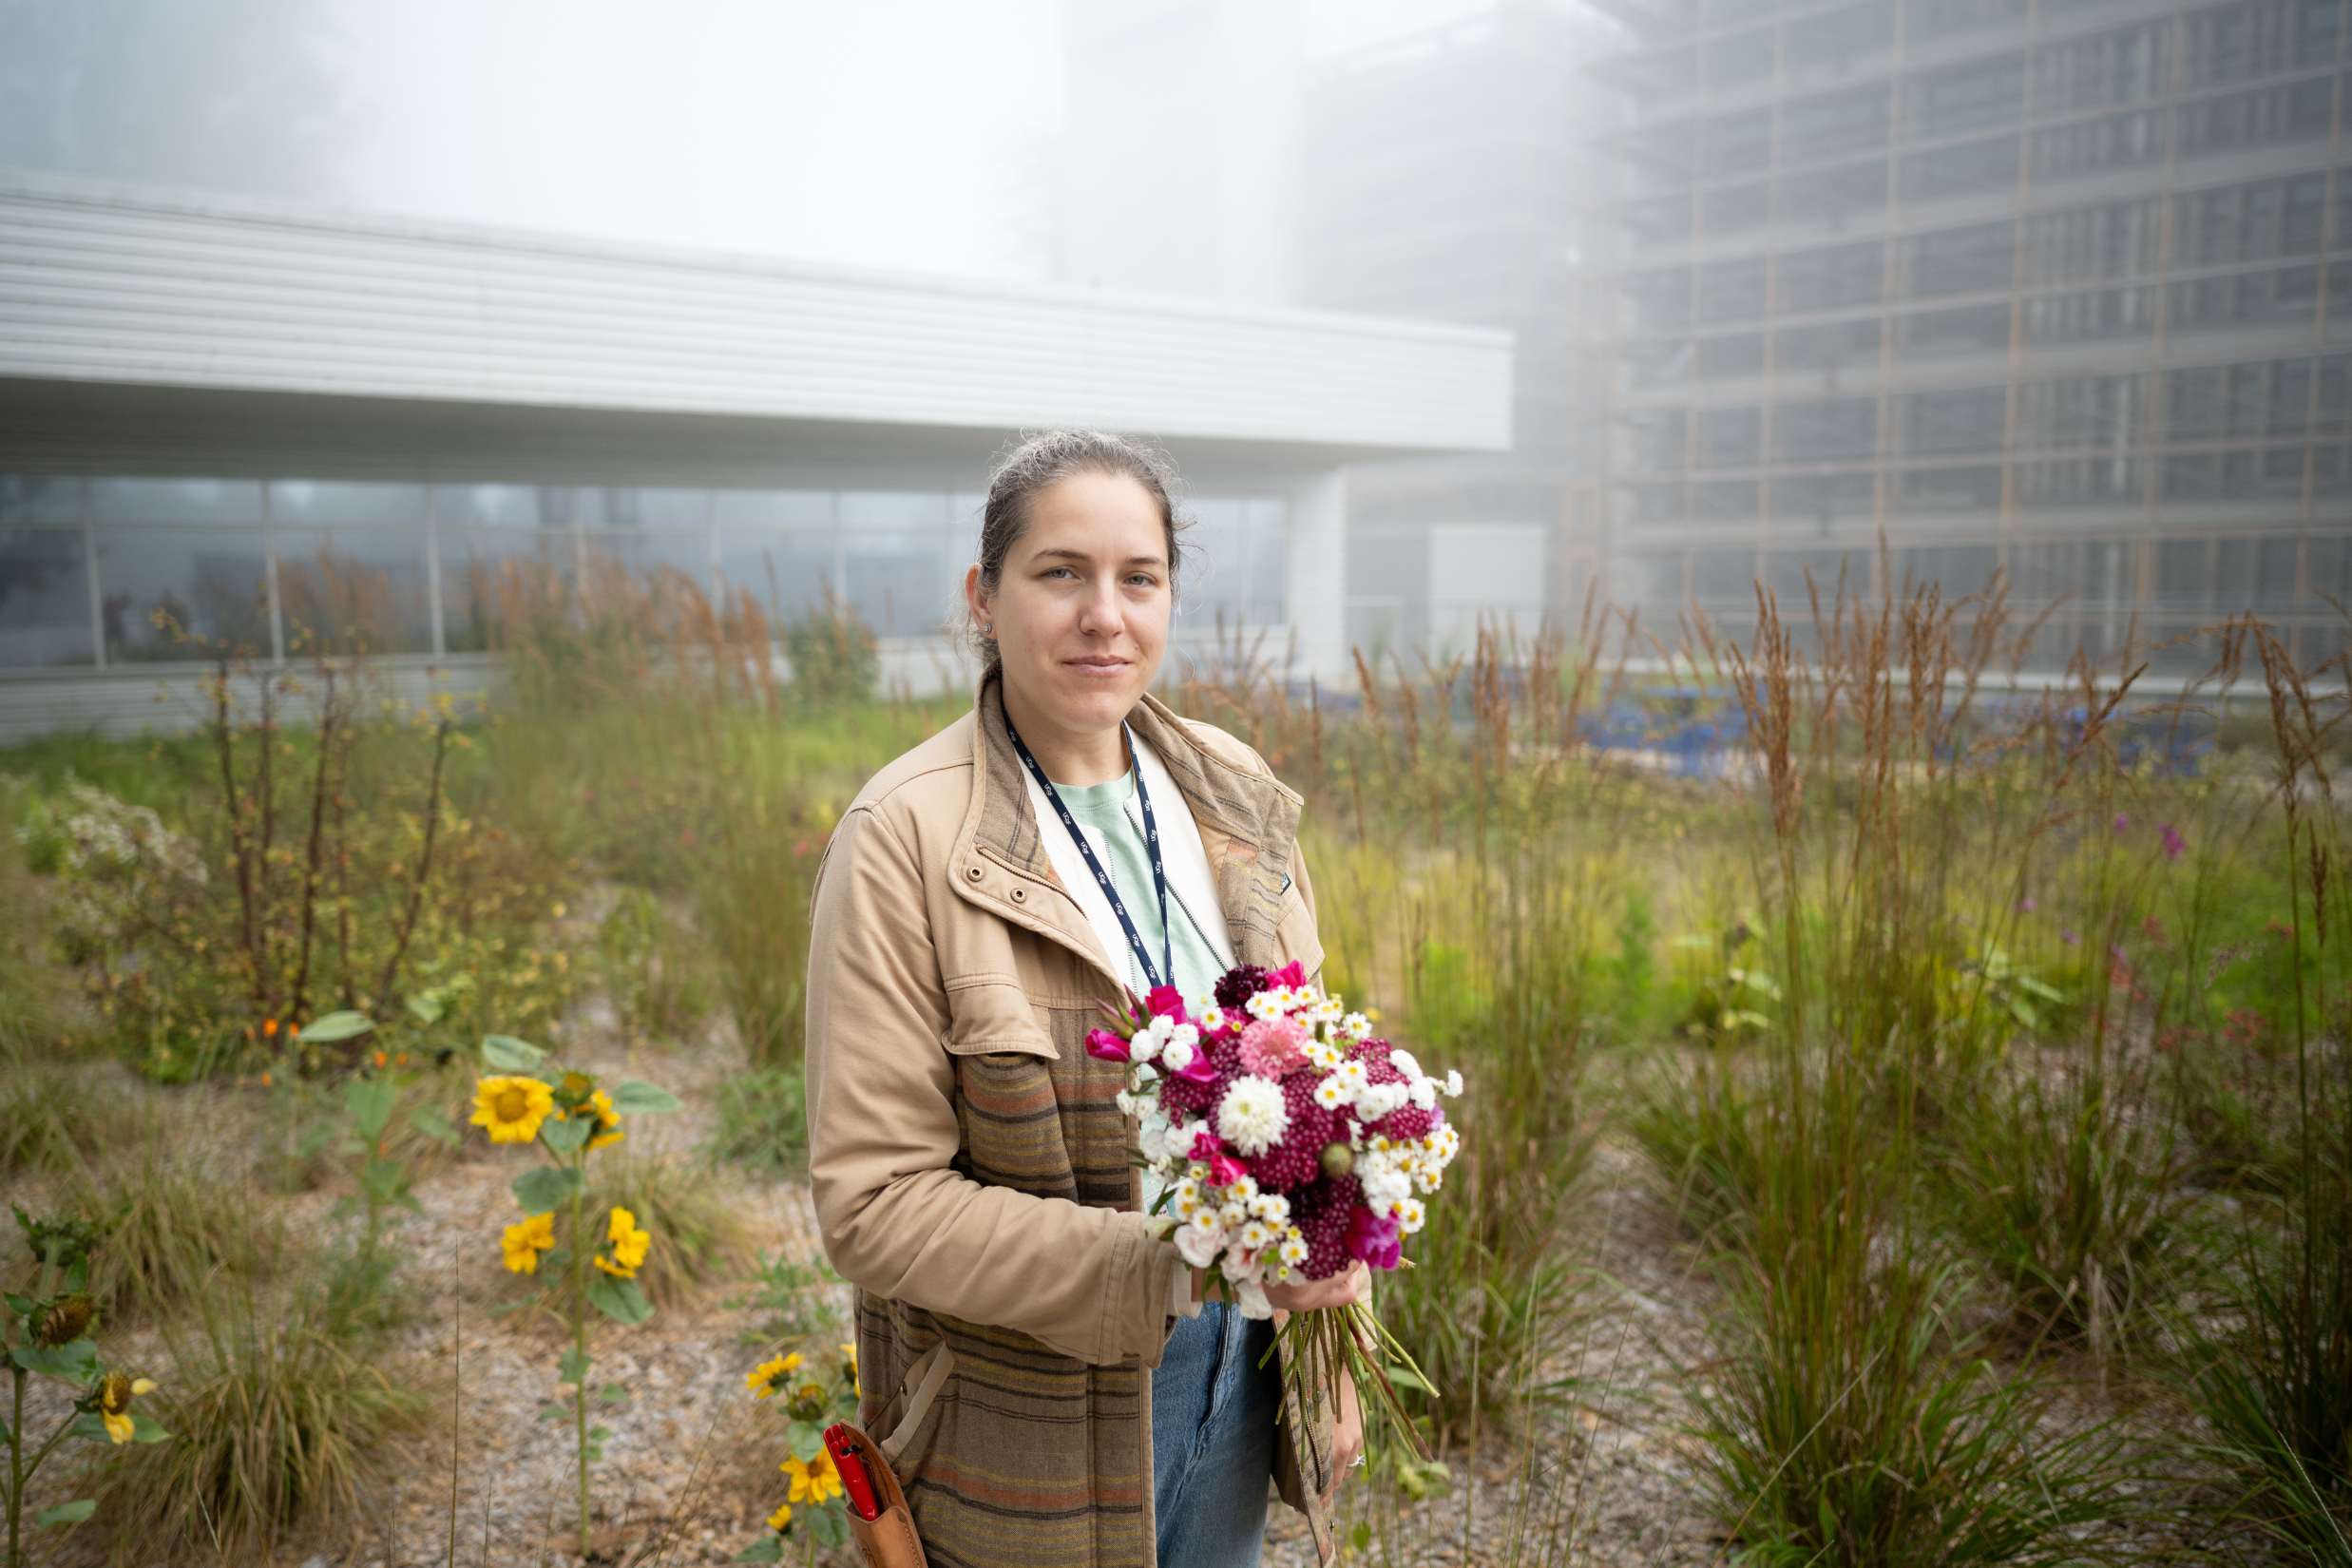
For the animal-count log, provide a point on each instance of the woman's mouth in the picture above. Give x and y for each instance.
(1097, 667)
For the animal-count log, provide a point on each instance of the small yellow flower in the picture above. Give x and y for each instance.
(511, 1107)
(115, 1393)
(607, 1119)
(763, 1379)
(782, 1517)
(525, 1241)
(629, 1246)
(813, 1481)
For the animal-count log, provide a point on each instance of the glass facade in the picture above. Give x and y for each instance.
(121, 570)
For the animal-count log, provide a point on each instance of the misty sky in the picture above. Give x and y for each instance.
(899, 133)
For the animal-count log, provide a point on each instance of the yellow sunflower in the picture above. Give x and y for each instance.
(629, 1246)
(782, 1517)
(607, 1121)
(523, 1242)
(115, 1393)
(763, 1379)
(814, 1481)
(511, 1107)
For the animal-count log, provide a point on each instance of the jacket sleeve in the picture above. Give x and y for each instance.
(896, 1219)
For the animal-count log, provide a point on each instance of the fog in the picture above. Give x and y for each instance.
(891, 133)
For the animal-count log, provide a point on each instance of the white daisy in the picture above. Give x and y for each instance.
(1251, 1116)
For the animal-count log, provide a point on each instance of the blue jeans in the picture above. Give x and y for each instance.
(1213, 1438)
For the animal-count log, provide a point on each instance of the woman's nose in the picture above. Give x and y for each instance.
(1100, 612)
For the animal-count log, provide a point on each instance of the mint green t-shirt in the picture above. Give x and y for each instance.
(1120, 842)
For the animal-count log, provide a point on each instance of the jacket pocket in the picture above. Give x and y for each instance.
(989, 1015)
(913, 1416)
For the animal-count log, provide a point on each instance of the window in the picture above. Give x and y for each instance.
(1963, 419)
(351, 566)
(1823, 496)
(1988, 164)
(1739, 353)
(1730, 438)
(44, 593)
(1977, 96)
(1841, 276)
(1950, 490)
(508, 553)
(777, 546)
(1731, 290)
(1237, 564)
(183, 592)
(1823, 127)
(895, 558)
(1966, 328)
(1970, 261)
(1830, 429)
(1819, 347)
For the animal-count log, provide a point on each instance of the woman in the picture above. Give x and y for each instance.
(1035, 1354)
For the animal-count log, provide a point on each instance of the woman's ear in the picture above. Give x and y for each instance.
(975, 597)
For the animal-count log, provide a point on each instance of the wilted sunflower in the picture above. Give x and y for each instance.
(525, 1240)
(511, 1107)
(607, 1121)
(115, 1393)
(765, 1378)
(781, 1518)
(629, 1246)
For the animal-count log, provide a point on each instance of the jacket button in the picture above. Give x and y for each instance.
(972, 871)
(1020, 895)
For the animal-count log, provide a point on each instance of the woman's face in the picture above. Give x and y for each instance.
(1080, 609)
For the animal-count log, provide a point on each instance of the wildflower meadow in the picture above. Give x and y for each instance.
(1911, 1113)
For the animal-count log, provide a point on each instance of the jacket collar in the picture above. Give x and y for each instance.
(1247, 822)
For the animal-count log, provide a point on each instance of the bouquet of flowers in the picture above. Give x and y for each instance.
(1287, 1140)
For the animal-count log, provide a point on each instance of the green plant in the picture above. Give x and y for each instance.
(277, 1428)
(813, 1511)
(796, 1301)
(832, 652)
(567, 1122)
(762, 1121)
(704, 1237)
(175, 1227)
(45, 1332)
(655, 979)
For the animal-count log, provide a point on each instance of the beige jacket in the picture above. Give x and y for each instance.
(973, 1177)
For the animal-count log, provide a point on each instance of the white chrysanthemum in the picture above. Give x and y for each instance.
(1241, 1190)
(1200, 1237)
(1265, 1005)
(1272, 1207)
(1255, 1236)
(1405, 1062)
(1453, 1082)
(1357, 1026)
(1176, 1056)
(1232, 1216)
(1352, 1074)
(1293, 1249)
(1410, 1214)
(1443, 1144)
(1126, 1102)
(1325, 1057)
(1251, 1116)
(1186, 1035)
(1200, 1004)
(1375, 1101)
(1212, 1020)
(1331, 1094)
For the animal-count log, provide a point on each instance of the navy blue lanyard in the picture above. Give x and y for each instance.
(1153, 978)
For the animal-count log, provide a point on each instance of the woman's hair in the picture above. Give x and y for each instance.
(1048, 459)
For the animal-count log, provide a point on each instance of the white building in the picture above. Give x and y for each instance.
(201, 399)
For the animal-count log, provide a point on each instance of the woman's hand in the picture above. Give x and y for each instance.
(1354, 1284)
(1346, 1436)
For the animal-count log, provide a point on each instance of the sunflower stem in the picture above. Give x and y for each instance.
(579, 1347)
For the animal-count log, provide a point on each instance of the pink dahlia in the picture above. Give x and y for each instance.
(1273, 1047)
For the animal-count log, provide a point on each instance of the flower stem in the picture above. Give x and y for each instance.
(579, 1347)
(17, 1468)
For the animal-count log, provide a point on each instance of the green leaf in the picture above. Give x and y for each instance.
(1403, 1378)
(67, 1513)
(554, 1410)
(435, 1124)
(613, 1393)
(1361, 1537)
(564, 1137)
(384, 1180)
(572, 1367)
(509, 1055)
(634, 1096)
(803, 1440)
(618, 1299)
(74, 1363)
(369, 1102)
(89, 1428)
(600, 1434)
(330, 1027)
(768, 1548)
(829, 1525)
(147, 1429)
(543, 1188)
(426, 1007)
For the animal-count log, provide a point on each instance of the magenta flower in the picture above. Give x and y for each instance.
(1206, 1145)
(2066, 934)
(1106, 1046)
(1199, 1070)
(2173, 842)
(1165, 1002)
(1373, 1240)
(2123, 821)
(1224, 1170)
(1273, 1047)
(1293, 973)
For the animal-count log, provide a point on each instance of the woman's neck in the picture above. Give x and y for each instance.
(1068, 757)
